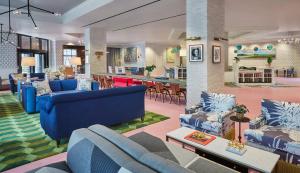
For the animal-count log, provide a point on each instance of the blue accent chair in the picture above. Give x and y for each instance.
(212, 116)
(277, 130)
(31, 102)
(62, 113)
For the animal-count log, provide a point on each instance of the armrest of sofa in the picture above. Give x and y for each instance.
(45, 103)
(95, 86)
(257, 122)
(29, 98)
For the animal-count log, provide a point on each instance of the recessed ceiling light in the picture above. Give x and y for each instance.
(36, 28)
(57, 14)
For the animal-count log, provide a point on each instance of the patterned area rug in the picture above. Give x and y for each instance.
(22, 140)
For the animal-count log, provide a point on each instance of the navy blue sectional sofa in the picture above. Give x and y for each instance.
(31, 101)
(62, 113)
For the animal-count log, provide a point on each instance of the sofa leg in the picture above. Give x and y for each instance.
(57, 143)
(142, 118)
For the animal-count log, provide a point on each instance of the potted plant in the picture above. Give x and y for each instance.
(150, 69)
(240, 111)
(269, 61)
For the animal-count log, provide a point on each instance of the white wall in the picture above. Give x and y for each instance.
(286, 56)
(156, 54)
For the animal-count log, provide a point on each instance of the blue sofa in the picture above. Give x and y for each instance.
(62, 113)
(30, 100)
(277, 130)
(98, 149)
(13, 85)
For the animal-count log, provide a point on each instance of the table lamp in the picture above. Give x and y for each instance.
(28, 62)
(75, 61)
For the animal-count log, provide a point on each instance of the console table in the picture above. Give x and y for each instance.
(253, 158)
(263, 76)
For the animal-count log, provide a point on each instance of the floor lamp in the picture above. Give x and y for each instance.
(28, 62)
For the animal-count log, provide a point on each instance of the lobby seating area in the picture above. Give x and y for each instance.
(154, 86)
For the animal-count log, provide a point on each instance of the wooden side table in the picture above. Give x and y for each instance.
(240, 121)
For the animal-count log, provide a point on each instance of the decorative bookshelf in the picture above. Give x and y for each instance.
(261, 76)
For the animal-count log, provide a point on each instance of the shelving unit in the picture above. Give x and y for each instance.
(180, 72)
(256, 77)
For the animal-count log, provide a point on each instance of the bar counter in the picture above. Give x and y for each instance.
(182, 83)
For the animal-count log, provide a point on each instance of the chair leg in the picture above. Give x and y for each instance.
(143, 118)
(57, 142)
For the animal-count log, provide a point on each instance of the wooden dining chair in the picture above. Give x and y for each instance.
(162, 91)
(108, 83)
(150, 88)
(177, 92)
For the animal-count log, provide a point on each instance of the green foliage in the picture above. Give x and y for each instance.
(240, 109)
(270, 60)
(150, 68)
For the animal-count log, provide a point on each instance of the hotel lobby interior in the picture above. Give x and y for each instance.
(138, 86)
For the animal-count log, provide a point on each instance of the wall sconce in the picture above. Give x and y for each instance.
(193, 38)
(99, 54)
(220, 39)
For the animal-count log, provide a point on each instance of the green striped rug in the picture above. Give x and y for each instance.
(22, 140)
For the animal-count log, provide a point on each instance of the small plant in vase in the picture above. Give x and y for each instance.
(269, 61)
(150, 69)
(240, 111)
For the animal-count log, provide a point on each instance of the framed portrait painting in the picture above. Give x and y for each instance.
(216, 54)
(196, 53)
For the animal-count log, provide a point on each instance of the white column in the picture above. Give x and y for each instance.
(95, 41)
(205, 19)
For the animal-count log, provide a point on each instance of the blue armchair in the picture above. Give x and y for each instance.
(277, 130)
(212, 116)
(31, 102)
(61, 114)
(13, 84)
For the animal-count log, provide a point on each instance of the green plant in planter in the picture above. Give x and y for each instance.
(240, 111)
(269, 60)
(150, 69)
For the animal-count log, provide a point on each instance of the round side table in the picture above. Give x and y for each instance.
(240, 121)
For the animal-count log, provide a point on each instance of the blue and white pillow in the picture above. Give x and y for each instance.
(279, 113)
(213, 102)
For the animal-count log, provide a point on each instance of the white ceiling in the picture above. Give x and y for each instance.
(60, 6)
(244, 20)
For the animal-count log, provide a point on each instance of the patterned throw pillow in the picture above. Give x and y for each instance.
(279, 113)
(84, 84)
(213, 102)
(42, 87)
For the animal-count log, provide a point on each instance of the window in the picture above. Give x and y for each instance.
(68, 54)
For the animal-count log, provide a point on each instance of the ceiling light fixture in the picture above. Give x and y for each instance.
(18, 11)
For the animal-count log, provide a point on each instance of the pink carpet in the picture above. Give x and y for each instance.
(250, 96)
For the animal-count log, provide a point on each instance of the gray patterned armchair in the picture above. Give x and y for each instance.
(212, 115)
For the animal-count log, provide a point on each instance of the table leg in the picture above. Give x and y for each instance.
(240, 137)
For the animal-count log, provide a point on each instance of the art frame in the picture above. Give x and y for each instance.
(196, 53)
(216, 54)
(130, 55)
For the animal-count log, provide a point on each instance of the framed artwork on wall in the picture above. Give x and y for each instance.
(130, 55)
(216, 54)
(196, 53)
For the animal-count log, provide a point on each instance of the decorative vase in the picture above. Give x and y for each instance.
(240, 115)
(148, 74)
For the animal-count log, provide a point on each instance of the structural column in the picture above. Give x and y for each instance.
(205, 19)
(95, 51)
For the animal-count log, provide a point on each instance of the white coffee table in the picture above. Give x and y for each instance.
(254, 158)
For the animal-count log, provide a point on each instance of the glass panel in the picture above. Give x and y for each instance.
(25, 42)
(68, 52)
(74, 52)
(35, 43)
(44, 45)
(39, 63)
(67, 60)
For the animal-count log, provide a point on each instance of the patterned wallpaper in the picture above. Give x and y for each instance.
(8, 57)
